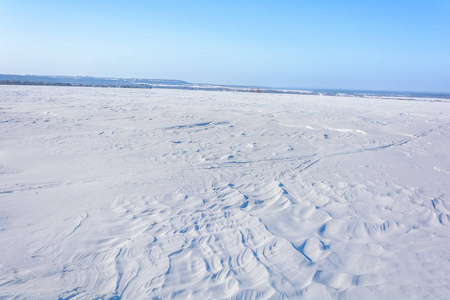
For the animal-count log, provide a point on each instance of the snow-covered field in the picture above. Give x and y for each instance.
(141, 194)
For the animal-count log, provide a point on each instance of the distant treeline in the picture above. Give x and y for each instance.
(21, 82)
(91, 81)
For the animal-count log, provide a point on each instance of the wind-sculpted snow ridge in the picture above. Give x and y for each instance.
(161, 194)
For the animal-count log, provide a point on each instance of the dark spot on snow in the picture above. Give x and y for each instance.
(197, 125)
(6, 192)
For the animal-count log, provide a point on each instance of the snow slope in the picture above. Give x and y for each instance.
(141, 194)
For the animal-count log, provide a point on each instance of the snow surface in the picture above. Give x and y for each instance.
(141, 194)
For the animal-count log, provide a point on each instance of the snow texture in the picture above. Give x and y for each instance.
(155, 194)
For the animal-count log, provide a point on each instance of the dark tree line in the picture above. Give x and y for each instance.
(21, 82)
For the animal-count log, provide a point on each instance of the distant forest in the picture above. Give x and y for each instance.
(7, 79)
(20, 82)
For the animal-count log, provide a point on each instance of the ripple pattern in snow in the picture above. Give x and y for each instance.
(160, 194)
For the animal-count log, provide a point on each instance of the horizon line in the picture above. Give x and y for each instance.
(310, 89)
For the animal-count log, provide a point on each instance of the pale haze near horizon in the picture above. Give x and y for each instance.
(367, 45)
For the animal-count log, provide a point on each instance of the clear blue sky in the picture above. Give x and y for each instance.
(365, 44)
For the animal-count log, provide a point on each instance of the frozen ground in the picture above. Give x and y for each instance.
(135, 194)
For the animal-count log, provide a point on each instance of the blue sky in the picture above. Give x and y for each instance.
(369, 45)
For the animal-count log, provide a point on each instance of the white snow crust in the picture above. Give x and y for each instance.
(139, 194)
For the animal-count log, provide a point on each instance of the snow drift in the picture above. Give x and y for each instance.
(135, 194)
